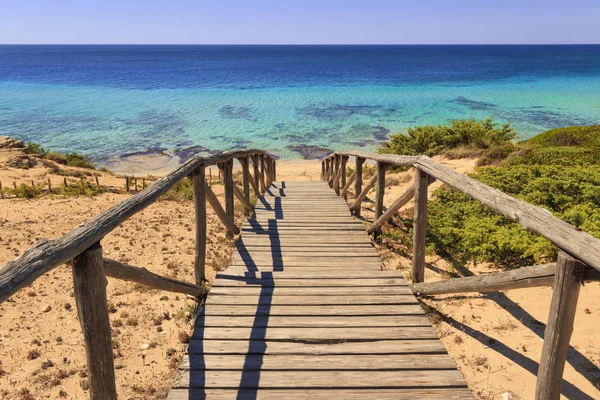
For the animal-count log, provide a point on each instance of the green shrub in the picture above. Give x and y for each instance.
(26, 191)
(82, 188)
(34, 148)
(57, 157)
(432, 140)
(79, 161)
(181, 191)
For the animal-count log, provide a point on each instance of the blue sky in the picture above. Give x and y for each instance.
(300, 22)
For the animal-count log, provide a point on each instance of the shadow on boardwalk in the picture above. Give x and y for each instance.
(257, 346)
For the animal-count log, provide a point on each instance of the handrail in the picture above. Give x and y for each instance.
(90, 268)
(563, 235)
(566, 275)
(45, 255)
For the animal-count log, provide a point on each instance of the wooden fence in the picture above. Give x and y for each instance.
(578, 258)
(81, 247)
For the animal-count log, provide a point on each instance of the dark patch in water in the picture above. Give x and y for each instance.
(234, 112)
(473, 104)
(310, 152)
(332, 112)
(187, 152)
(546, 119)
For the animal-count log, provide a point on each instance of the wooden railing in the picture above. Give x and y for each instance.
(578, 258)
(81, 248)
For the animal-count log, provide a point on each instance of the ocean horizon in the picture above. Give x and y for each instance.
(108, 101)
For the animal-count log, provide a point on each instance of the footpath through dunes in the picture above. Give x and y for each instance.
(306, 311)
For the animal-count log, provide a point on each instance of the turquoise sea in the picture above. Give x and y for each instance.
(107, 101)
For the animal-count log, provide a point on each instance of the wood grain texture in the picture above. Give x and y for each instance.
(381, 167)
(48, 254)
(419, 226)
(218, 209)
(565, 293)
(89, 284)
(125, 272)
(199, 184)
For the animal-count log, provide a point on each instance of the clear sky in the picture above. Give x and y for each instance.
(299, 22)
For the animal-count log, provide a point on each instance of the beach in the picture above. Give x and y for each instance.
(495, 339)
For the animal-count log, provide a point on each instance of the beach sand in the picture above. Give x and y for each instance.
(495, 339)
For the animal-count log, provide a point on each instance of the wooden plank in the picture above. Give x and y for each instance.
(360, 197)
(313, 333)
(409, 346)
(313, 379)
(300, 273)
(565, 293)
(318, 362)
(351, 310)
(89, 284)
(274, 321)
(230, 281)
(256, 298)
(325, 393)
(311, 291)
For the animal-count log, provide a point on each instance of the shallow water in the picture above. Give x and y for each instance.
(112, 100)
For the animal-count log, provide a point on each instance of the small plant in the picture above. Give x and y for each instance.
(33, 354)
(34, 148)
(184, 337)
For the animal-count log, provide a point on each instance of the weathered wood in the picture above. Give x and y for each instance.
(119, 270)
(538, 275)
(419, 226)
(318, 379)
(338, 175)
(263, 184)
(240, 196)
(313, 333)
(227, 168)
(536, 219)
(381, 167)
(348, 184)
(253, 181)
(386, 158)
(320, 394)
(274, 169)
(255, 166)
(343, 172)
(89, 284)
(332, 166)
(218, 209)
(199, 184)
(246, 182)
(565, 292)
(309, 362)
(389, 213)
(45, 255)
(358, 181)
(361, 196)
(322, 171)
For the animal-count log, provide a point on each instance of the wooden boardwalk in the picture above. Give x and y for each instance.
(305, 311)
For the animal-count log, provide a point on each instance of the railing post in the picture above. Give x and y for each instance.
(227, 167)
(256, 174)
(274, 163)
(380, 189)
(322, 172)
(358, 182)
(246, 180)
(565, 292)
(338, 173)
(419, 226)
(343, 172)
(333, 170)
(198, 181)
(327, 169)
(89, 283)
(263, 185)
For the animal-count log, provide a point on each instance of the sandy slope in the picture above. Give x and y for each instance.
(495, 339)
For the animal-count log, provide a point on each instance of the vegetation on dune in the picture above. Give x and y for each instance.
(69, 159)
(558, 170)
(461, 136)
